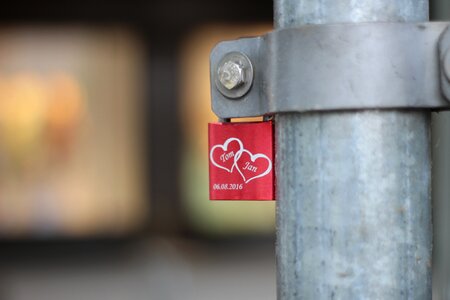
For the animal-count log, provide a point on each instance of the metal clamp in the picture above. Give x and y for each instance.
(333, 67)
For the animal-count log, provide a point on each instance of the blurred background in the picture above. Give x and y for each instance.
(104, 108)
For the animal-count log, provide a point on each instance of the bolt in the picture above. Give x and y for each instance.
(234, 75)
(231, 74)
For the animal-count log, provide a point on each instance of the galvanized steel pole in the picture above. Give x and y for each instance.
(441, 187)
(353, 188)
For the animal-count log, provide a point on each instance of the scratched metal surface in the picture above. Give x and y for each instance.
(353, 200)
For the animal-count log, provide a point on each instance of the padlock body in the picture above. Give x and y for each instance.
(241, 161)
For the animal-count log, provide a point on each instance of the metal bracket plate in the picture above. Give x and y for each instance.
(340, 67)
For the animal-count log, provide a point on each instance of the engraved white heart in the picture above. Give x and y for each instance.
(253, 158)
(224, 147)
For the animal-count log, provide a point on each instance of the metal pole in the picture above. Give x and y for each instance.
(441, 187)
(441, 205)
(353, 188)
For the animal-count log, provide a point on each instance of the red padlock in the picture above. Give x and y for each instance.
(241, 161)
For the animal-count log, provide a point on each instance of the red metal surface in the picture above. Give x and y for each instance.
(241, 161)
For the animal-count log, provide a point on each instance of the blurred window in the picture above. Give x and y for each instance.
(70, 132)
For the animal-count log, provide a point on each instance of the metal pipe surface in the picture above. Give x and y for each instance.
(441, 188)
(441, 205)
(353, 188)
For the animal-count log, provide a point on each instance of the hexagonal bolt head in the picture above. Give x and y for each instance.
(231, 74)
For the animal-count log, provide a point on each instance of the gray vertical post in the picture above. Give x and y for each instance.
(441, 204)
(353, 188)
(441, 186)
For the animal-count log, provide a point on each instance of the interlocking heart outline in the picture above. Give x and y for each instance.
(224, 147)
(237, 156)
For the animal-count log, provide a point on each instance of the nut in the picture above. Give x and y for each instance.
(231, 74)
